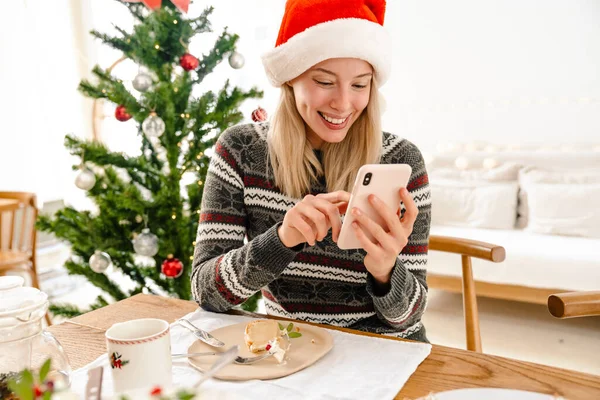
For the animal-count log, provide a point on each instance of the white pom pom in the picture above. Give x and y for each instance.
(471, 147)
(461, 163)
(490, 163)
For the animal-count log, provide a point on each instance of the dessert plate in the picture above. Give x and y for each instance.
(304, 351)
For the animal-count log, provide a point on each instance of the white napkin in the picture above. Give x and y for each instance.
(358, 367)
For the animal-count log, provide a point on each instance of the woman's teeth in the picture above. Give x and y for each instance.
(332, 120)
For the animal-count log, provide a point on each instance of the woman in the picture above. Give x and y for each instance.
(283, 185)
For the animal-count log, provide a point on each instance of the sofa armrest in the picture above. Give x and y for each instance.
(574, 304)
(467, 247)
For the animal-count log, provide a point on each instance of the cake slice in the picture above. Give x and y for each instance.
(259, 333)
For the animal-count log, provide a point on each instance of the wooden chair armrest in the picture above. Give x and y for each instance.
(467, 247)
(574, 304)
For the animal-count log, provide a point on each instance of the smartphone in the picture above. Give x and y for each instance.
(382, 180)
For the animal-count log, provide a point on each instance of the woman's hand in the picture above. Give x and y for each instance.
(309, 220)
(388, 240)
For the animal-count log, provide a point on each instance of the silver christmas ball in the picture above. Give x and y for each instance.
(99, 261)
(236, 60)
(146, 243)
(142, 82)
(86, 179)
(153, 126)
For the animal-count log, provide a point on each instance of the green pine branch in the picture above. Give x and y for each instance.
(65, 310)
(225, 44)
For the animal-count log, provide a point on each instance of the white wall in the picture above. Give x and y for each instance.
(39, 103)
(502, 71)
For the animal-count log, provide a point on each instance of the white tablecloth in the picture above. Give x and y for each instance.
(358, 367)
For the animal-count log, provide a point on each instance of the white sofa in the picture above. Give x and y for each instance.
(551, 235)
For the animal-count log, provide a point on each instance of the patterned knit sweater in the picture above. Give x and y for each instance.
(238, 251)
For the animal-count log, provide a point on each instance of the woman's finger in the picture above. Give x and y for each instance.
(368, 224)
(335, 197)
(333, 216)
(411, 212)
(389, 216)
(316, 217)
(297, 222)
(371, 248)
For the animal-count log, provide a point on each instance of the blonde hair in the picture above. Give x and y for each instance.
(294, 163)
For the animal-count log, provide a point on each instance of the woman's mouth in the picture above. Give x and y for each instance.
(334, 123)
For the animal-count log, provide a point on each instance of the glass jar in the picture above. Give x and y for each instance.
(23, 342)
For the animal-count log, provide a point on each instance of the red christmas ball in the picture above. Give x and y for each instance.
(188, 62)
(259, 115)
(121, 114)
(172, 268)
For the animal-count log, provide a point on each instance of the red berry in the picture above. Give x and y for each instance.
(157, 391)
(50, 386)
(37, 392)
(268, 347)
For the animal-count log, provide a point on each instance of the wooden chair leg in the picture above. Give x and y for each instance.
(470, 306)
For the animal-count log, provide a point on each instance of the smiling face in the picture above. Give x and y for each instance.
(330, 97)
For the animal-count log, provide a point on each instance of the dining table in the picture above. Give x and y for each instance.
(444, 369)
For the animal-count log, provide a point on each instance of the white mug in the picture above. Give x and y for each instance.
(139, 352)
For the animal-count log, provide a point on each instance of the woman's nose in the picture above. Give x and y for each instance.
(341, 100)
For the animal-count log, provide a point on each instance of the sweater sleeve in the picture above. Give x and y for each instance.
(226, 271)
(402, 306)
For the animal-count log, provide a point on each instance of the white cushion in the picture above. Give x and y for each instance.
(503, 173)
(533, 260)
(476, 205)
(553, 189)
(564, 209)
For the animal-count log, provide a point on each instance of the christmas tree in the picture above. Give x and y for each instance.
(147, 211)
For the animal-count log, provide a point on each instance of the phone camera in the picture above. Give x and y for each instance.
(367, 178)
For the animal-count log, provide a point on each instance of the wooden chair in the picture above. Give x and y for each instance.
(574, 304)
(467, 249)
(17, 249)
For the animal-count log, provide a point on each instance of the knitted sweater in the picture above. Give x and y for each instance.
(238, 251)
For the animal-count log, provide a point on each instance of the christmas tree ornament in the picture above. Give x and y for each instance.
(146, 243)
(236, 60)
(182, 5)
(153, 125)
(86, 179)
(142, 82)
(121, 113)
(172, 267)
(259, 115)
(188, 62)
(99, 261)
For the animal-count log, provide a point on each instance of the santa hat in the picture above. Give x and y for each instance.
(316, 30)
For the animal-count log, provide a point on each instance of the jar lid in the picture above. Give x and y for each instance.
(21, 302)
(11, 282)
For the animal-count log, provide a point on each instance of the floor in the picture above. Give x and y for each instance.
(517, 330)
(509, 329)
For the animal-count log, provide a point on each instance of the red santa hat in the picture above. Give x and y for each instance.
(316, 30)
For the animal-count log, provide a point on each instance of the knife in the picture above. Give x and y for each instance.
(200, 334)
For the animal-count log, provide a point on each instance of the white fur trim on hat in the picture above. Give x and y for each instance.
(340, 38)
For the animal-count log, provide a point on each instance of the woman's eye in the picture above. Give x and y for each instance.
(324, 83)
(360, 86)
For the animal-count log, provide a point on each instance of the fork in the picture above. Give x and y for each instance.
(238, 360)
